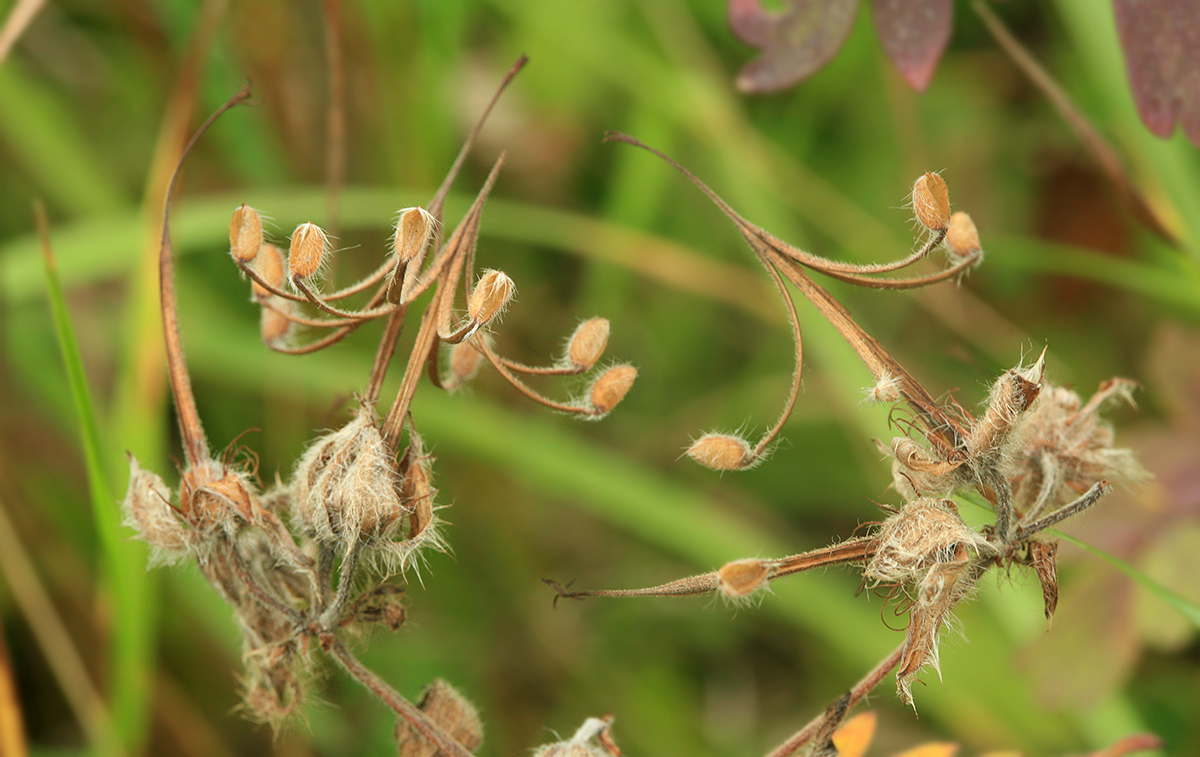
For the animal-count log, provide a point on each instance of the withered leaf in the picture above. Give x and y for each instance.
(914, 34)
(795, 41)
(1161, 39)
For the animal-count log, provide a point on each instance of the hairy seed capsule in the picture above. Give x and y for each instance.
(741, 578)
(588, 343)
(721, 452)
(148, 509)
(269, 266)
(611, 387)
(274, 326)
(449, 709)
(413, 230)
(931, 202)
(309, 247)
(245, 234)
(490, 296)
(464, 364)
(962, 238)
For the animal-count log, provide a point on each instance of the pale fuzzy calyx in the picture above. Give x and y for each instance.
(148, 510)
(346, 487)
(592, 739)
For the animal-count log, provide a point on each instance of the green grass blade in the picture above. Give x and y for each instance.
(1183, 605)
(123, 582)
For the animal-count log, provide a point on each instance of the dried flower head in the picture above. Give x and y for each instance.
(450, 710)
(346, 489)
(931, 202)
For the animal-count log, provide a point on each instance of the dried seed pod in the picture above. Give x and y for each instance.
(610, 388)
(962, 238)
(269, 266)
(413, 229)
(1012, 394)
(309, 247)
(741, 578)
(274, 325)
(931, 202)
(592, 739)
(346, 488)
(490, 296)
(464, 364)
(148, 510)
(917, 473)
(245, 234)
(722, 452)
(450, 710)
(588, 343)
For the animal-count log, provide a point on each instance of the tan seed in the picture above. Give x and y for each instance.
(611, 387)
(588, 343)
(931, 201)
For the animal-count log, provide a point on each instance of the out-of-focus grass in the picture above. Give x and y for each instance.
(584, 229)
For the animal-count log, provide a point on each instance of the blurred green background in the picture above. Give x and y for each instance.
(93, 101)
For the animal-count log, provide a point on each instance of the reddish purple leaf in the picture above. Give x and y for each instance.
(1162, 55)
(795, 41)
(914, 34)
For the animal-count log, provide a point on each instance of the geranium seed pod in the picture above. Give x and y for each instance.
(445, 706)
(269, 266)
(413, 230)
(611, 387)
(274, 326)
(309, 247)
(245, 234)
(721, 452)
(741, 578)
(588, 343)
(464, 363)
(962, 238)
(490, 296)
(931, 202)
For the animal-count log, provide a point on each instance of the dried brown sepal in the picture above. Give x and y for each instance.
(916, 472)
(245, 234)
(610, 388)
(1042, 556)
(962, 238)
(450, 710)
(269, 266)
(938, 591)
(587, 344)
(722, 452)
(490, 296)
(931, 202)
(742, 578)
(417, 493)
(308, 250)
